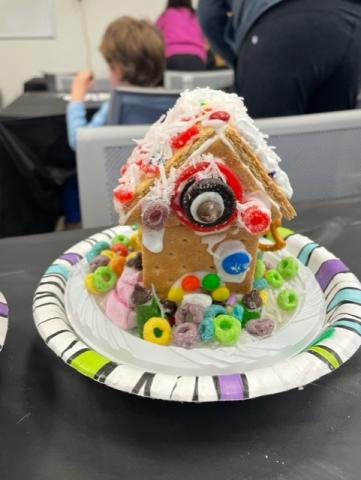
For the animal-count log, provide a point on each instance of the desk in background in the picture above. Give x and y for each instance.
(57, 424)
(35, 160)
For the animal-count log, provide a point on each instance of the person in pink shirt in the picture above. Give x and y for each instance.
(185, 44)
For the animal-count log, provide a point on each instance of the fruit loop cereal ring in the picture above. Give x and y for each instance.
(288, 267)
(238, 312)
(227, 329)
(135, 241)
(189, 312)
(213, 310)
(96, 249)
(108, 253)
(175, 294)
(117, 265)
(157, 330)
(264, 295)
(287, 299)
(120, 249)
(221, 294)
(155, 214)
(104, 279)
(211, 281)
(260, 328)
(99, 261)
(131, 256)
(190, 283)
(185, 335)
(120, 238)
(89, 284)
(274, 278)
(206, 330)
(260, 269)
(260, 283)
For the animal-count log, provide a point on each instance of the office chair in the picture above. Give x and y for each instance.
(137, 105)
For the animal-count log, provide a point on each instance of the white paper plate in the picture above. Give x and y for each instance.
(323, 333)
(4, 319)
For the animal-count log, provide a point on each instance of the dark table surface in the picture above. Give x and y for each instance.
(56, 424)
(39, 104)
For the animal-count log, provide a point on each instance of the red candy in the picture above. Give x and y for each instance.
(150, 170)
(124, 195)
(180, 140)
(120, 249)
(220, 115)
(123, 169)
(256, 220)
(190, 283)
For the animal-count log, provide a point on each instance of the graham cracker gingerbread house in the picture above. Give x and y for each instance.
(204, 187)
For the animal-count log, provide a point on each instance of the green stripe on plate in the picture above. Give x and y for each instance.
(326, 354)
(89, 363)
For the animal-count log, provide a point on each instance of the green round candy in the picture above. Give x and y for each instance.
(227, 329)
(211, 281)
(104, 279)
(260, 269)
(288, 267)
(120, 238)
(287, 299)
(274, 278)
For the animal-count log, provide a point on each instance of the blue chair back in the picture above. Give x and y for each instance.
(139, 106)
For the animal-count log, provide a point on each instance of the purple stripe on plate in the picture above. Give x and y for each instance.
(4, 309)
(72, 258)
(328, 270)
(231, 387)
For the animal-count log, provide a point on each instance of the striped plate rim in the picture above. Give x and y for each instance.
(340, 339)
(4, 320)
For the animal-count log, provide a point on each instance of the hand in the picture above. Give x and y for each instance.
(81, 84)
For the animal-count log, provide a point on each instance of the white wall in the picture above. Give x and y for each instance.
(23, 59)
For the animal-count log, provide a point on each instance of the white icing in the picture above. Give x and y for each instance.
(153, 239)
(224, 250)
(211, 240)
(201, 299)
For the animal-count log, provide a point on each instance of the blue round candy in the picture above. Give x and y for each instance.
(236, 263)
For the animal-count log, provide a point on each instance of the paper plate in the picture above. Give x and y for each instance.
(4, 316)
(322, 334)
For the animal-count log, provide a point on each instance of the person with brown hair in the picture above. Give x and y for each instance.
(134, 52)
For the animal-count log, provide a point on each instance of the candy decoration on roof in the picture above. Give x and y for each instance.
(183, 138)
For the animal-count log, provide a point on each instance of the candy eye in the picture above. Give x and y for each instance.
(208, 202)
(207, 208)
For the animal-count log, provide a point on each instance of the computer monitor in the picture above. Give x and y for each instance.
(139, 106)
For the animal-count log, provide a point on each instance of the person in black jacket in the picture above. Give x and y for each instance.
(290, 56)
